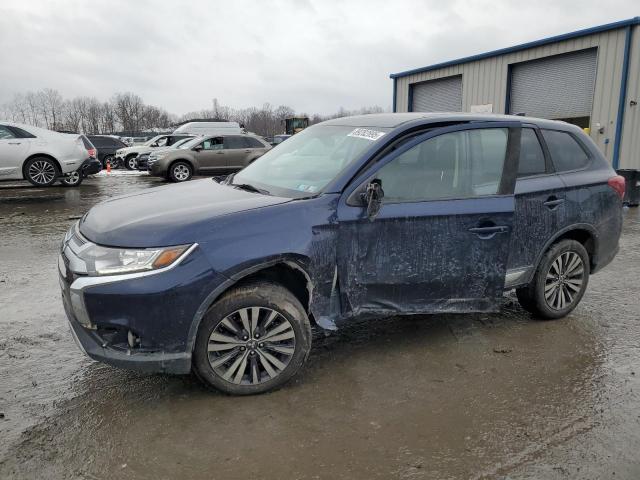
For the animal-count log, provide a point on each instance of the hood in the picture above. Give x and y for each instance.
(169, 215)
(133, 149)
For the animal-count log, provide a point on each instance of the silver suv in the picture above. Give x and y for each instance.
(209, 155)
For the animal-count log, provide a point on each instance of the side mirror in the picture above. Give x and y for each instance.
(197, 148)
(373, 198)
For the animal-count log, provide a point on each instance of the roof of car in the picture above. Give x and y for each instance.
(392, 120)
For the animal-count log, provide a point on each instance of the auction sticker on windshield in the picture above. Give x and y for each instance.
(372, 135)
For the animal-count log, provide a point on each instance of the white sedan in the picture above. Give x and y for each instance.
(38, 155)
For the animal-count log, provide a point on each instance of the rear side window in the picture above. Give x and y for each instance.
(20, 133)
(98, 141)
(566, 153)
(5, 133)
(253, 142)
(234, 142)
(531, 156)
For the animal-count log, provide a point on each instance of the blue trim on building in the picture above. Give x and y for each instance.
(395, 94)
(622, 102)
(524, 46)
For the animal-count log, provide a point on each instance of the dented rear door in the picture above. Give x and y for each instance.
(440, 240)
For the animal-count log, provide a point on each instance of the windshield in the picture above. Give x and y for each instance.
(181, 143)
(309, 160)
(148, 143)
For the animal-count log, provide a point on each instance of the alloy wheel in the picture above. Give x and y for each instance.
(42, 172)
(72, 179)
(181, 172)
(251, 346)
(564, 280)
(132, 163)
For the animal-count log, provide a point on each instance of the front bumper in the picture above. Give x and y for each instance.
(136, 321)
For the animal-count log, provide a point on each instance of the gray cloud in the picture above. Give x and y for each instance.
(312, 55)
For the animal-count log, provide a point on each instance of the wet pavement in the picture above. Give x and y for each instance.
(442, 397)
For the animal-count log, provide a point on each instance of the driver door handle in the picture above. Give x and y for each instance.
(553, 202)
(490, 231)
(14, 143)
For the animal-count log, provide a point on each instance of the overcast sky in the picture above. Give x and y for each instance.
(314, 56)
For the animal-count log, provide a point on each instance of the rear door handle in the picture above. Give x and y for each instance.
(487, 233)
(553, 202)
(14, 143)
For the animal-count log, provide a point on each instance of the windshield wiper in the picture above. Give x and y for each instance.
(249, 188)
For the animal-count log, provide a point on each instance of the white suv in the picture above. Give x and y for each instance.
(38, 155)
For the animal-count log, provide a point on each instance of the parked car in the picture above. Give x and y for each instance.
(207, 156)
(90, 166)
(371, 215)
(127, 156)
(38, 155)
(277, 139)
(209, 128)
(143, 157)
(107, 147)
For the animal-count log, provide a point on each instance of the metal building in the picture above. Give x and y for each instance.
(590, 77)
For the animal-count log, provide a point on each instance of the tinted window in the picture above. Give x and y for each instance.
(5, 133)
(454, 165)
(531, 156)
(565, 152)
(87, 144)
(253, 142)
(20, 133)
(234, 142)
(98, 141)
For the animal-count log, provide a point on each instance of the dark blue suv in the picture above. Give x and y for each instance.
(363, 216)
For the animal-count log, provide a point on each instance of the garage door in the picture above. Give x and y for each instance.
(558, 87)
(442, 95)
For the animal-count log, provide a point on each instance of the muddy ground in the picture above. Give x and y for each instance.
(442, 397)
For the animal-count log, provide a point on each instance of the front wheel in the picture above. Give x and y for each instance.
(252, 340)
(41, 171)
(180, 172)
(74, 179)
(559, 283)
(130, 162)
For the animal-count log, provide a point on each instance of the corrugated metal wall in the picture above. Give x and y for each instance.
(485, 81)
(630, 145)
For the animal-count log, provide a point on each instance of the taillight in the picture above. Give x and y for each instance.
(618, 184)
(92, 152)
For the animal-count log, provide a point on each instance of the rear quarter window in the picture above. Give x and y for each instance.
(253, 142)
(566, 153)
(531, 156)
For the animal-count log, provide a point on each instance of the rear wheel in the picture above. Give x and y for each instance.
(559, 283)
(74, 179)
(180, 172)
(252, 340)
(41, 171)
(111, 160)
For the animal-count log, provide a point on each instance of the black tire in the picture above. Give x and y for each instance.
(41, 171)
(180, 171)
(557, 288)
(130, 162)
(290, 316)
(72, 180)
(109, 159)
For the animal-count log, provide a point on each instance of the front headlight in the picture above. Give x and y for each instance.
(113, 261)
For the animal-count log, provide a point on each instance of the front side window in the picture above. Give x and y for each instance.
(459, 164)
(5, 133)
(565, 152)
(531, 156)
(212, 144)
